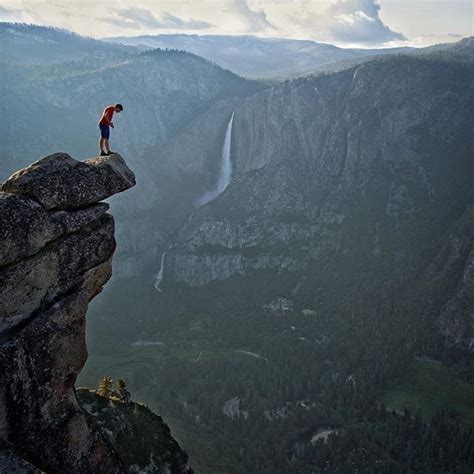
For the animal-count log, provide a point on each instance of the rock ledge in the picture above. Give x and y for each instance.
(60, 182)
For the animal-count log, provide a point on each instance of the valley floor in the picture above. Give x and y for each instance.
(429, 385)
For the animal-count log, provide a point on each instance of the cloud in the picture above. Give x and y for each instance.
(359, 21)
(256, 21)
(343, 22)
(10, 14)
(137, 18)
(349, 21)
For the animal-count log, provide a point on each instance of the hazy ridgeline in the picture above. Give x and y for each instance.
(296, 298)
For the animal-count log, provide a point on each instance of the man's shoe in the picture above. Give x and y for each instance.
(103, 153)
(112, 153)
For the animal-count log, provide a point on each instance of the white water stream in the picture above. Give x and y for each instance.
(225, 176)
(225, 173)
(159, 276)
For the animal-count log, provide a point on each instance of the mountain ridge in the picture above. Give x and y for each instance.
(263, 58)
(30, 44)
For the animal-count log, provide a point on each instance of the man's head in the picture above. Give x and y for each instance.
(118, 107)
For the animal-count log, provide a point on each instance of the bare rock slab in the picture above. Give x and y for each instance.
(61, 182)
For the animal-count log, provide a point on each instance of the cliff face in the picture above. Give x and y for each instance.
(381, 151)
(449, 284)
(57, 244)
(370, 167)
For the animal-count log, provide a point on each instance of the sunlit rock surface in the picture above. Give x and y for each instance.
(60, 182)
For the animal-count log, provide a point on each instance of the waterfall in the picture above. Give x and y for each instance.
(159, 276)
(225, 173)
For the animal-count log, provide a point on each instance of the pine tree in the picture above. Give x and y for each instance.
(105, 386)
(122, 391)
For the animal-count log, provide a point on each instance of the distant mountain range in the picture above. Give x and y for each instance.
(248, 56)
(32, 44)
(255, 57)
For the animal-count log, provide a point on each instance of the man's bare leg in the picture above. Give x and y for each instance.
(101, 145)
(106, 143)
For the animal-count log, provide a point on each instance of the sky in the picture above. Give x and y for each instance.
(362, 23)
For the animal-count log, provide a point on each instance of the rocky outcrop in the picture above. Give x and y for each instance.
(56, 251)
(139, 435)
(60, 182)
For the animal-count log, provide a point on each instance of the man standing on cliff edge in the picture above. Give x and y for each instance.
(105, 123)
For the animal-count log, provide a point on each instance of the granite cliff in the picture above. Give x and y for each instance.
(370, 167)
(318, 159)
(57, 243)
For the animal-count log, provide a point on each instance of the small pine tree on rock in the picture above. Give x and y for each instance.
(122, 391)
(105, 386)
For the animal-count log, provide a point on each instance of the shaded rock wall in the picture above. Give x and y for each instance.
(449, 284)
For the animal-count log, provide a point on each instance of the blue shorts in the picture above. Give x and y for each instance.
(104, 131)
